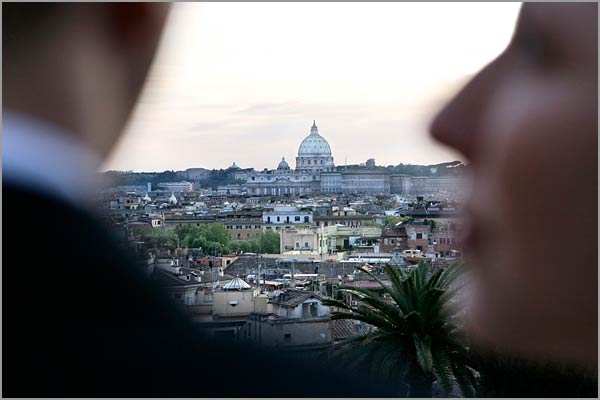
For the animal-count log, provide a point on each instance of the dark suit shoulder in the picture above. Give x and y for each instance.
(80, 320)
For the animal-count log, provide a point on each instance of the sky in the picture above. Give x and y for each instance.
(243, 82)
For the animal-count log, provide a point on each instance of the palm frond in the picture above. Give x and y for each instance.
(423, 352)
(417, 336)
(443, 368)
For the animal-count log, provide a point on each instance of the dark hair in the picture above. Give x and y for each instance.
(22, 22)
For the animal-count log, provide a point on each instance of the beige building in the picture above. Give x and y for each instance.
(242, 225)
(325, 240)
(238, 299)
(298, 320)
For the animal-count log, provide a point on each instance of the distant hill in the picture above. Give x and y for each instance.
(452, 168)
(216, 177)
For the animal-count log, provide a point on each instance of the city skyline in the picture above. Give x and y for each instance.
(225, 88)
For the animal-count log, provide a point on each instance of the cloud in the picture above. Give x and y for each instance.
(248, 90)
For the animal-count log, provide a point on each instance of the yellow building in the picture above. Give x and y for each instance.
(237, 298)
(325, 240)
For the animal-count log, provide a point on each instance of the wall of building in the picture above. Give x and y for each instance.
(176, 186)
(418, 236)
(244, 230)
(223, 308)
(331, 182)
(288, 333)
(287, 216)
(366, 181)
(305, 239)
(302, 310)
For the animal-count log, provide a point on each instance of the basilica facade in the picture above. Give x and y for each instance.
(314, 158)
(316, 173)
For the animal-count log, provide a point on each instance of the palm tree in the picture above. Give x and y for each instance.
(414, 339)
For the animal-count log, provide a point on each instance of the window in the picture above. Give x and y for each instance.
(306, 219)
(297, 244)
(297, 219)
(248, 235)
(305, 244)
(419, 236)
(239, 235)
(278, 219)
(287, 337)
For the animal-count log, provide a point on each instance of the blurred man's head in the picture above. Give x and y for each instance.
(528, 125)
(79, 66)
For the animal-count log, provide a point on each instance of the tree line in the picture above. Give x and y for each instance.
(212, 239)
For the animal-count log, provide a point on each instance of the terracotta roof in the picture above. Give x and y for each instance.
(344, 329)
(291, 298)
(367, 284)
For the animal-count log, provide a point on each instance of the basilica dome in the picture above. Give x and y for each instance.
(283, 164)
(314, 145)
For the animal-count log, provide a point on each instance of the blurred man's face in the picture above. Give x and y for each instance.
(81, 66)
(130, 35)
(528, 124)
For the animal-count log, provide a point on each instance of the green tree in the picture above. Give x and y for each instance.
(370, 223)
(414, 339)
(194, 241)
(217, 233)
(184, 230)
(269, 242)
(241, 245)
(162, 238)
(211, 238)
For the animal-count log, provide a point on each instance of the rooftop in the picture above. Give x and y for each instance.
(291, 298)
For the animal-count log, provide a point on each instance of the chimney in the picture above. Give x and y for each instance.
(197, 277)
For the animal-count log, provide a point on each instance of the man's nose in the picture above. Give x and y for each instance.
(458, 124)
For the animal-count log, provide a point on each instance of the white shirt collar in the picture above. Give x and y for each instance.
(44, 158)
